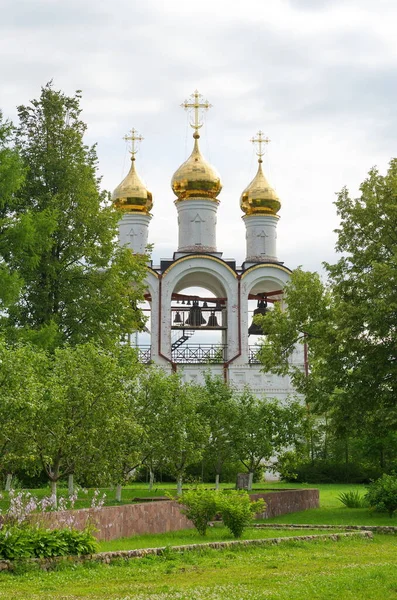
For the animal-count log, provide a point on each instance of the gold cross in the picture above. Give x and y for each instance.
(260, 140)
(133, 137)
(197, 102)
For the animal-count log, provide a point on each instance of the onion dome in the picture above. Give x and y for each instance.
(196, 178)
(259, 197)
(132, 194)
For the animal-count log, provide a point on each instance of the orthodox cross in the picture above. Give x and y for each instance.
(259, 140)
(196, 103)
(133, 137)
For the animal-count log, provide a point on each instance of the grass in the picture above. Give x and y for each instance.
(191, 536)
(348, 569)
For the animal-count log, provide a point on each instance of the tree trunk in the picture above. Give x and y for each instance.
(217, 481)
(118, 492)
(179, 486)
(250, 480)
(151, 479)
(54, 489)
(70, 485)
(8, 482)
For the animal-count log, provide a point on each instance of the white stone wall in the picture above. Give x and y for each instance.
(196, 225)
(261, 238)
(133, 231)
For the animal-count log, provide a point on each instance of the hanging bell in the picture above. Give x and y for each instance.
(195, 318)
(188, 302)
(212, 321)
(183, 302)
(177, 319)
(260, 310)
(205, 305)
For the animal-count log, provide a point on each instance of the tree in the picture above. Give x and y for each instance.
(20, 390)
(177, 431)
(348, 324)
(217, 409)
(84, 412)
(262, 428)
(11, 179)
(77, 282)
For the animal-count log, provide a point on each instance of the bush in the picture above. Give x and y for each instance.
(352, 499)
(382, 494)
(201, 507)
(35, 542)
(237, 510)
(323, 471)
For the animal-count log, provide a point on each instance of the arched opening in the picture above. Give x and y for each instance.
(261, 299)
(198, 320)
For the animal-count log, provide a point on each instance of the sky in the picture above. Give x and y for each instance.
(319, 77)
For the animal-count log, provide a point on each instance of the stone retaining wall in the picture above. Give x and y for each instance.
(283, 502)
(107, 557)
(114, 522)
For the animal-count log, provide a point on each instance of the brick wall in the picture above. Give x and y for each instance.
(114, 522)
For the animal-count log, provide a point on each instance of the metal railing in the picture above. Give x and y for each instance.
(253, 355)
(144, 354)
(211, 354)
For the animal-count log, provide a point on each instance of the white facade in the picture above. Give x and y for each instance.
(133, 231)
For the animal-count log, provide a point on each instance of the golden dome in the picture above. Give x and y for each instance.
(259, 198)
(195, 178)
(132, 195)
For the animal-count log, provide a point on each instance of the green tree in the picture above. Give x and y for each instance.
(11, 179)
(217, 409)
(262, 428)
(20, 390)
(177, 430)
(77, 281)
(84, 413)
(349, 324)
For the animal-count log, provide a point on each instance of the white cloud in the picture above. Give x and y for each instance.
(318, 76)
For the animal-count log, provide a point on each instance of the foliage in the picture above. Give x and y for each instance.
(169, 414)
(348, 325)
(293, 468)
(61, 236)
(84, 410)
(217, 408)
(352, 499)
(238, 511)
(200, 506)
(382, 494)
(29, 542)
(262, 428)
(12, 175)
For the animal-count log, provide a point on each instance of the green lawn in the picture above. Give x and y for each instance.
(191, 536)
(348, 569)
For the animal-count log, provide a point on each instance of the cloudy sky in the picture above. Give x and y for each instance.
(319, 77)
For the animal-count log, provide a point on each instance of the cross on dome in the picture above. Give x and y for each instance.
(259, 140)
(196, 103)
(133, 137)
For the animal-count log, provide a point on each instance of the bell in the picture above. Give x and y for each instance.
(195, 318)
(178, 318)
(188, 302)
(260, 310)
(183, 302)
(205, 305)
(212, 321)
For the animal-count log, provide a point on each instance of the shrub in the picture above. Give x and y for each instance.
(237, 510)
(382, 494)
(34, 542)
(201, 507)
(352, 499)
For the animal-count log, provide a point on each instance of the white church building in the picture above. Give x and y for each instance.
(200, 305)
